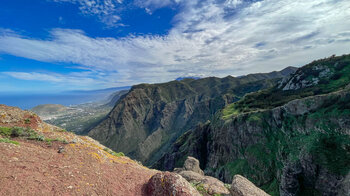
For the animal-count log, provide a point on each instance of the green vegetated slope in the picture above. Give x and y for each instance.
(319, 77)
(150, 117)
(291, 139)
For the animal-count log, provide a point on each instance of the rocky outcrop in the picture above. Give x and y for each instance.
(208, 184)
(345, 186)
(309, 75)
(15, 117)
(304, 173)
(167, 183)
(192, 173)
(150, 117)
(243, 187)
(192, 164)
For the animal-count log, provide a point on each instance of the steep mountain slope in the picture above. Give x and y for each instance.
(41, 159)
(292, 139)
(113, 98)
(148, 119)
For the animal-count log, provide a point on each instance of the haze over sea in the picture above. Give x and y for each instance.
(68, 98)
(28, 101)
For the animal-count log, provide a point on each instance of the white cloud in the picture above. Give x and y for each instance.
(233, 3)
(209, 38)
(72, 80)
(151, 5)
(81, 79)
(106, 10)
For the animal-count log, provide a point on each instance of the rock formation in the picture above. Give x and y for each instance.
(243, 187)
(192, 173)
(167, 183)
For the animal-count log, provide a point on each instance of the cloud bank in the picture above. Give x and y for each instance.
(209, 38)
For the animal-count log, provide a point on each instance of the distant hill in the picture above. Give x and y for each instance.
(113, 98)
(78, 118)
(106, 90)
(48, 109)
(189, 77)
(100, 95)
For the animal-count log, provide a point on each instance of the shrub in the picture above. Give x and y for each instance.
(27, 121)
(17, 132)
(6, 140)
(5, 131)
(119, 154)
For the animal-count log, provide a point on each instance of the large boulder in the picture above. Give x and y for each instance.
(243, 187)
(167, 183)
(192, 164)
(193, 174)
(209, 184)
(190, 175)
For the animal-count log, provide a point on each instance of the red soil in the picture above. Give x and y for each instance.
(83, 168)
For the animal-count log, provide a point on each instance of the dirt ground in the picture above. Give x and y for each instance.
(83, 167)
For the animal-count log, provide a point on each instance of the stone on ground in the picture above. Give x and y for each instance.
(167, 183)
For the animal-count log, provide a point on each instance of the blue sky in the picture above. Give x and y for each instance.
(60, 45)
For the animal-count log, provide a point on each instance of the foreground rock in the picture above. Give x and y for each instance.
(192, 173)
(208, 184)
(192, 164)
(167, 183)
(243, 187)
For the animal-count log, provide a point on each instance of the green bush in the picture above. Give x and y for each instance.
(5, 131)
(6, 140)
(119, 154)
(27, 121)
(16, 132)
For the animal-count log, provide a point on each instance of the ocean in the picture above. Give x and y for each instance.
(28, 101)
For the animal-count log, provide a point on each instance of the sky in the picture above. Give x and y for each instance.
(60, 45)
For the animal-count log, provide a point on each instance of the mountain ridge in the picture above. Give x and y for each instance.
(152, 116)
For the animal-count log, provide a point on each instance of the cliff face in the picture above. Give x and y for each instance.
(292, 139)
(147, 120)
